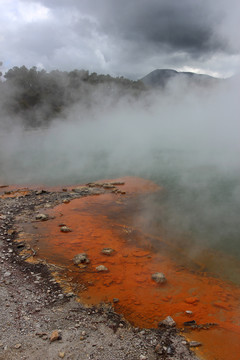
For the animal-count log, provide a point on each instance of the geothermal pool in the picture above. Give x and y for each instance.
(202, 281)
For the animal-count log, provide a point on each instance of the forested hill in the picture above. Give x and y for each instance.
(35, 97)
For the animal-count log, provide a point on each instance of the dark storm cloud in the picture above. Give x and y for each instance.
(169, 25)
(130, 38)
(187, 25)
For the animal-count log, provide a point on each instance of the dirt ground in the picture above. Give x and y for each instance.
(39, 321)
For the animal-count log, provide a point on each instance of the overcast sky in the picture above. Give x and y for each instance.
(127, 37)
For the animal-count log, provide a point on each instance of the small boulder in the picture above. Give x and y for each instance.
(101, 268)
(81, 259)
(65, 229)
(168, 321)
(41, 217)
(107, 251)
(40, 192)
(159, 278)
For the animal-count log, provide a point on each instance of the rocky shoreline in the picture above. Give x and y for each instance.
(39, 321)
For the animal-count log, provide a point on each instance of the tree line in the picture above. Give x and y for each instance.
(37, 96)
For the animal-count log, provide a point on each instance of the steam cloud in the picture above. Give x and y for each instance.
(185, 138)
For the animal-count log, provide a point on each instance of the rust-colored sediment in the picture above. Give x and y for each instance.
(14, 193)
(109, 221)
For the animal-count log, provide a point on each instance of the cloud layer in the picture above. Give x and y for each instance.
(121, 38)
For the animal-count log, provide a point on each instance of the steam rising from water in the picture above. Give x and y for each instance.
(186, 139)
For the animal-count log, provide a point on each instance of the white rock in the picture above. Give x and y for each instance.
(101, 268)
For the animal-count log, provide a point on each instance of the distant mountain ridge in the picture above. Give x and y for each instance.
(160, 77)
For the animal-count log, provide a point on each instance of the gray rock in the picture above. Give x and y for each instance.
(168, 321)
(65, 229)
(159, 278)
(82, 190)
(81, 259)
(7, 274)
(194, 343)
(70, 294)
(41, 217)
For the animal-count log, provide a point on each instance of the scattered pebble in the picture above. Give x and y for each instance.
(170, 350)
(66, 201)
(107, 251)
(194, 343)
(158, 349)
(61, 354)
(55, 335)
(70, 294)
(159, 278)
(17, 346)
(101, 268)
(189, 323)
